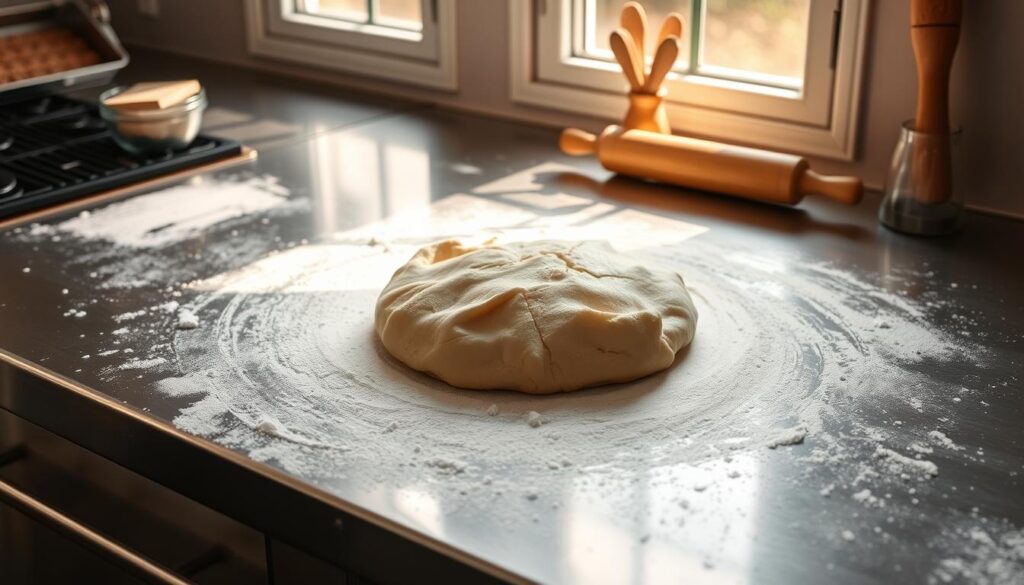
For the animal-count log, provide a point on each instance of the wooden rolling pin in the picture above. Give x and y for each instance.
(700, 164)
(934, 32)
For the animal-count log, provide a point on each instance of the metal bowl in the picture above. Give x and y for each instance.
(148, 132)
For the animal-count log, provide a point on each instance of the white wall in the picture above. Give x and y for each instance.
(988, 92)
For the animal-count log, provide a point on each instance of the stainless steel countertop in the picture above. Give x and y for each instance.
(785, 528)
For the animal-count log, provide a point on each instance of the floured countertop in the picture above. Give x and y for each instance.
(851, 405)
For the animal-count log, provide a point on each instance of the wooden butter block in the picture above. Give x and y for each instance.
(154, 95)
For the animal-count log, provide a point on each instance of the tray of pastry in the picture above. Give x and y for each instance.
(49, 45)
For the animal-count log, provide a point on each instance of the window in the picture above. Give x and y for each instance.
(390, 14)
(758, 41)
(411, 41)
(778, 73)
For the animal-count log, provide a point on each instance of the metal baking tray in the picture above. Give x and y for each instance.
(88, 18)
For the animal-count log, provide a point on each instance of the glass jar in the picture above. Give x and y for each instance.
(924, 193)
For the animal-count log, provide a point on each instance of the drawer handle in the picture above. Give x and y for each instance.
(133, 562)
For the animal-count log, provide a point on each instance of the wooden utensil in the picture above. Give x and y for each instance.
(711, 166)
(664, 59)
(647, 112)
(671, 27)
(634, 19)
(624, 49)
(935, 33)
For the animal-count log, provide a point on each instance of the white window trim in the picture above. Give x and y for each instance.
(828, 129)
(396, 56)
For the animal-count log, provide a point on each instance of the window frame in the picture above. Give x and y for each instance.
(820, 119)
(277, 30)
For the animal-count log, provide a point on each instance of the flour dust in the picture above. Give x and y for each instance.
(792, 362)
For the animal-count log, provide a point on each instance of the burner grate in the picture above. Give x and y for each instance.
(55, 149)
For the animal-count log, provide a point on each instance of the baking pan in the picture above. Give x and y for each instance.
(87, 19)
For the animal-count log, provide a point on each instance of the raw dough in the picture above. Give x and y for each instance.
(538, 317)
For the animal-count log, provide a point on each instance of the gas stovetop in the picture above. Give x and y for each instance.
(55, 149)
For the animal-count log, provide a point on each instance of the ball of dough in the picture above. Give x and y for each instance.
(538, 317)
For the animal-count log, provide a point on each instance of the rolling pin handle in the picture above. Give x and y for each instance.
(848, 190)
(575, 142)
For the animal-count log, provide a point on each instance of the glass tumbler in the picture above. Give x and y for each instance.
(924, 193)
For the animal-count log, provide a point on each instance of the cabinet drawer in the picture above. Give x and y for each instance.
(145, 518)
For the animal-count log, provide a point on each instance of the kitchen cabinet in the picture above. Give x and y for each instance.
(147, 519)
(32, 553)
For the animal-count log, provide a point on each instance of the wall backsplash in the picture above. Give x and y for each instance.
(988, 80)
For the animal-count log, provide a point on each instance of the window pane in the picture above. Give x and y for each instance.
(352, 10)
(400, 13)
(759, 36)
(605, 19)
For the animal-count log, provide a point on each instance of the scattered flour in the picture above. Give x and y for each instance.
(919, 448)
(173, 215)
(169, 307)
(983, 558)
(446, 466)
(793, 436)
(868, 499)
(142, 364)
(940, 438)
(268, 426)
(300, 322)
(187, 320)
(129, 316)
(904, 466)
